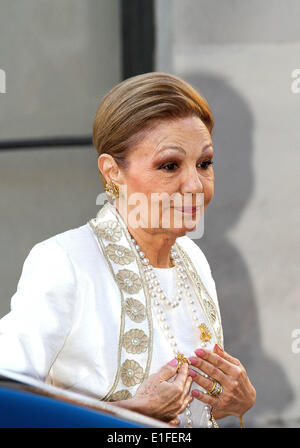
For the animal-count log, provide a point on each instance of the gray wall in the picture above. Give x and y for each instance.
(240, 55)
(60, 58)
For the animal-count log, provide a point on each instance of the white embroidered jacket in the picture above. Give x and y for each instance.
(81, 300)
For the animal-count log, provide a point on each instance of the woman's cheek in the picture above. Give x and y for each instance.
(208, 195)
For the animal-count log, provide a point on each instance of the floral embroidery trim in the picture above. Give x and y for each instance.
(135, 310)
(131, 373)
(208, 302)
(144, 289)
(120, 395)
(119, 254)
(135, 341)
(210, 310)
(109, 230)
(220, 336)
(147, 304)
(122, 317)
(139, 312)
(129, 281)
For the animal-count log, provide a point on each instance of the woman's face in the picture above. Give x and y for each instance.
(173, 158)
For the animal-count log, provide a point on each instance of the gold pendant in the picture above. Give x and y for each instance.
(205, 335)
(181, 359)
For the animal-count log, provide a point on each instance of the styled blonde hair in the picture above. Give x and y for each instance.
(138, 103)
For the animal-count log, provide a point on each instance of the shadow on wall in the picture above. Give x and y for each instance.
(233, 150)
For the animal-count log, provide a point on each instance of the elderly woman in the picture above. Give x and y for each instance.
(124, 308)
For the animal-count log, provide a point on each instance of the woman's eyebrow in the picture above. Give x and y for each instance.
(179, 148)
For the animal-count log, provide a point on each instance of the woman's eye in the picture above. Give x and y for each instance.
(169, 166)
(205, 165)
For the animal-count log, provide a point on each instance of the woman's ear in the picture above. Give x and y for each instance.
(109, 168)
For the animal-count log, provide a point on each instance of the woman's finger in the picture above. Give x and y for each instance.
(187, 386)
(226, 355)
(168, 370)
(204, 382)
(205, 398)
(216, 361)
(182, 375)
(211, 371)
(186, 401)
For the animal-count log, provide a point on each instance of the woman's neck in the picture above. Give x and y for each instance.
(156, 246)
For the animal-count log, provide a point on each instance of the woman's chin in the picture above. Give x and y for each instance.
(182, 231)
(189, 225)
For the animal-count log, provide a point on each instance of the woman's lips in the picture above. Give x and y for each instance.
(189, 210)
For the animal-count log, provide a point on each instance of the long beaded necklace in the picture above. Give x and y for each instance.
(161, 301)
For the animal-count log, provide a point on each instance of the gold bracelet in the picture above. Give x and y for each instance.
(242, 422)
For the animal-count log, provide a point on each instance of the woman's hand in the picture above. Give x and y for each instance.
(238, 393)
(160, 399)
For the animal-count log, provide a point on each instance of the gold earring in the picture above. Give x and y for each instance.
(112, 189)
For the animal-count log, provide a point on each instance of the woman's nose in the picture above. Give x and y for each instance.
(191, 182)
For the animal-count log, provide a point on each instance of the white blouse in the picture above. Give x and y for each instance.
(64, 323)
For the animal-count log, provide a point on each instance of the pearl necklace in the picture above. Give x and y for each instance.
(160, 300)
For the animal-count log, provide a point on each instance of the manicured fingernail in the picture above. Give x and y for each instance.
(218, 347)
(173, 363)
(195, 393)
(199, 352)
(191, 399)
(192, 373)
(193, 360)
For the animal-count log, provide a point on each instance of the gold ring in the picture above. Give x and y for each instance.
(216, 389)
(212, 387)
